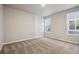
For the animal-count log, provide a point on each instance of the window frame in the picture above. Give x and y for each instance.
(68, 25)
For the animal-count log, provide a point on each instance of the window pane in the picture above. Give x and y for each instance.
(77, 24)
(72, 25)
(48, 24)
(48, 28)
(73, 15)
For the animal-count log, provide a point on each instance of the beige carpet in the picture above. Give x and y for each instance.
(40, 46)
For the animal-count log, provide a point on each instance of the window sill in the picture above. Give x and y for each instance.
(73, 34)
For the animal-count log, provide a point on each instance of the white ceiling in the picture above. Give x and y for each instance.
(43, 11)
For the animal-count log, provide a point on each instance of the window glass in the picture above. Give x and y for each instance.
(72, 25)
(77, 24)
(73, 15)
(48, 24)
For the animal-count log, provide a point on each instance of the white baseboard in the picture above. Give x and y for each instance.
(20, 40)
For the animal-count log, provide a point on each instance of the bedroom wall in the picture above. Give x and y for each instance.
(21, 25)
(59, 28)
(1, 26)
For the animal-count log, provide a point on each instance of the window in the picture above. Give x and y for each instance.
(73, 23)
(47, 24)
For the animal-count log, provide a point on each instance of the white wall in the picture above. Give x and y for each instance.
(20, 25)
(1, 26)
(39, 26)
